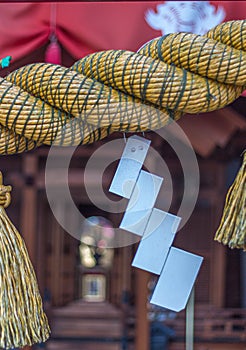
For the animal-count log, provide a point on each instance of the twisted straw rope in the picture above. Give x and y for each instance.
(119, 90)
(22, 321)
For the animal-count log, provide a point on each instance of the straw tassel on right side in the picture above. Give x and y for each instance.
(232, 229)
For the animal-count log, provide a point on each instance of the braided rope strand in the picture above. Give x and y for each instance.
(142, 76)
(119, 90)
(206, 57)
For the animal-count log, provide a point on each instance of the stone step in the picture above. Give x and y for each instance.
(87, 320)
(86, 328)
(83, 309)
(58, 345)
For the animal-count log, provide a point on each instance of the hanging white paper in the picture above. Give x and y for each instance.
(156, 241)
(176, 280)
(129, 166)
(141, 203)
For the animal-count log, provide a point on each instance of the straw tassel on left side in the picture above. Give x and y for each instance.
(22, 319)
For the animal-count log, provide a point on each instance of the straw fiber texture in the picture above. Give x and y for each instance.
(22, 320)
(119, 90)
(232, 229)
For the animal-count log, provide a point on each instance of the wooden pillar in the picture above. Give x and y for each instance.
(126, 269)
(218, 271)
(42, 230)
(57, 259)
(29, 205)
(29, 208)
(142, 324)
(218, 276)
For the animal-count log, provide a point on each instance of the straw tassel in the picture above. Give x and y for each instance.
(22, 320)
(232, 229)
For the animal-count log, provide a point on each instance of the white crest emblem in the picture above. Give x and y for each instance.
(185, 16)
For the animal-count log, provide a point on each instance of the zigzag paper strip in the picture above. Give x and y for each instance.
(177, 268)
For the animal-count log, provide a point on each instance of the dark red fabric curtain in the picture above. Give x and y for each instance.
(83, 28)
